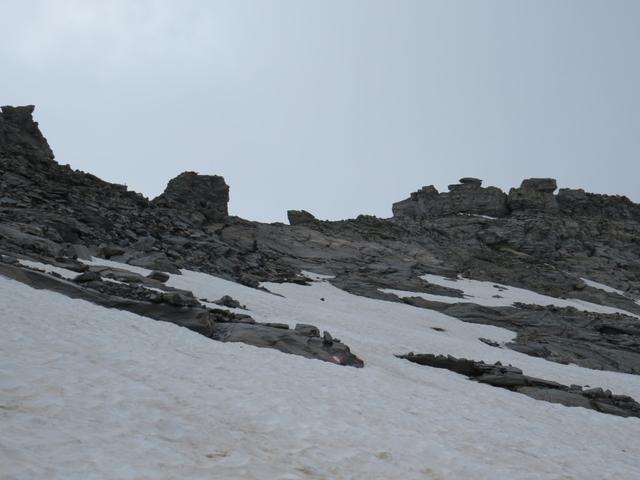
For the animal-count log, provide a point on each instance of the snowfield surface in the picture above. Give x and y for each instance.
(495, 295)
(63, 272)
(603, 287)
(92, 393)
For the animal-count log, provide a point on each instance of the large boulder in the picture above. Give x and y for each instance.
(204, 194)
(299, 217)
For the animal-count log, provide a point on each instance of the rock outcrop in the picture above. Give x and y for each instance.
(299, 217)
(534, 194)
(512, 378)
(20, 136)
(132, 292)
(578, 203)
(201, 195)
(467, 197)
(563, 335)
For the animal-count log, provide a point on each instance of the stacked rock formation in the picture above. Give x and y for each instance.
(535, 195)
(466, 197)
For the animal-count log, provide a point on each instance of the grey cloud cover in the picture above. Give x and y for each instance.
(337, 107)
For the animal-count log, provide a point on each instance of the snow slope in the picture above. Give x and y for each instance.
(87, 392)
(494, 295)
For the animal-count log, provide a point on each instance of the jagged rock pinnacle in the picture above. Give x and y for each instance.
(20, 136)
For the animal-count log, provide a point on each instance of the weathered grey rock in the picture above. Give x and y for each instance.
(565, 398)
(471, 180)
(534, 194)
(591, 340)
(155, 261)
(230, 302)
(182, 309)
(278, 325)
(299, 217)
(145, 244)
(87, 277)
(20, 135)
(119, 274)
(548, 185)
(78, 251)
(159, 276)
(196, 319)
(578, 203)
(308, 330)
(108, 251)
(512, 378)
(288, 341)
(27, 242)
(488, 341)
(468, 197)
(179, 299)
(204, 194)
(9, 259)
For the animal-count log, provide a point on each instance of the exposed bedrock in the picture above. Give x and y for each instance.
(562, 335)
(512, 378)
(466, 197)
(532, 238)
(534, 196)
(20, 136)
(134, 293)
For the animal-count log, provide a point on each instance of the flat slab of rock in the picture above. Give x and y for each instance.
(288, 341)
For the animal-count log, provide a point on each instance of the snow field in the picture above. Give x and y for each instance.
(493, 295)
(87, 392)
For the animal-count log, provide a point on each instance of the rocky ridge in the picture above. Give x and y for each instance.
(530, 238)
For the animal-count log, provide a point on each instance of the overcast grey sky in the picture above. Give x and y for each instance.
(339, 107)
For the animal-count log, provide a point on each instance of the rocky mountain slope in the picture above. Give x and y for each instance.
(553, 244)
(523, 308)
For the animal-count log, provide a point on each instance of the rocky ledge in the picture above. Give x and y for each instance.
(512, 378)
(147, 296)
